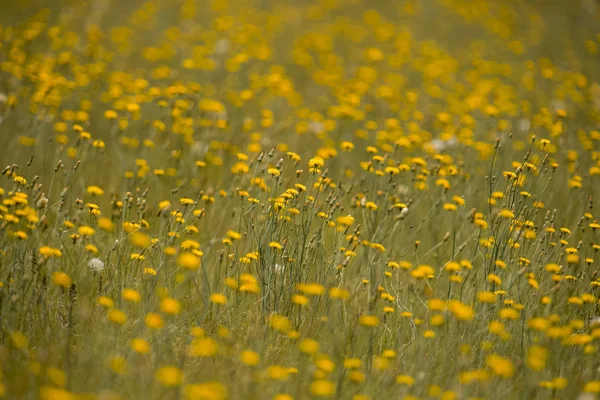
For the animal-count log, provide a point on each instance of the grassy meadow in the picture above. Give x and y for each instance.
(342, 199)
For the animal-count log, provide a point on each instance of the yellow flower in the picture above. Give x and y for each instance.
(140, 239)
(371, 206)
(405, 380)
(280, 323)
(461, 311)
(316, 162)
(233, 235)
(117, 316)
(308, 346)
(313, 289)
(203, 347)
(20, 235)
(189, 261)
(509, 313)
(458, 200)
(322, 388)
(486, 297)
(422, 272)
(170, 306)
(436, 304)
(169, 376)
(86, 230)
(572, 258)
(105, 302)
(250, 357)
(61, 279)
(95, 191)
(19, 340)
(506, 214)
(140, 345)
(131, 295)
(500, 366)
(278, 372)
(537, 356)
(240, 168)
(368, 320)
(205, 391)
(300, 300)
(218, 298)
(345, 220)
(339, 293)
(347, 146)
(110, 114)
(449, 207)
(118, 364)
(106, 224)
(592, 387)
(47, 251)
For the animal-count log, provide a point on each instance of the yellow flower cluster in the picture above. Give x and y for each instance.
(282, 200)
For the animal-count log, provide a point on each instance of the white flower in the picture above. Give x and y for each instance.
(316, 127)
(439, 145)
(222, 46)
(96, 265)
(586, 396)
(558, 104)
(403, 213)
(524, 125)
(198, 148)
(403, 190)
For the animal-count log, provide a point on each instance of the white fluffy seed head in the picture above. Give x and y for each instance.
(96, 265)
